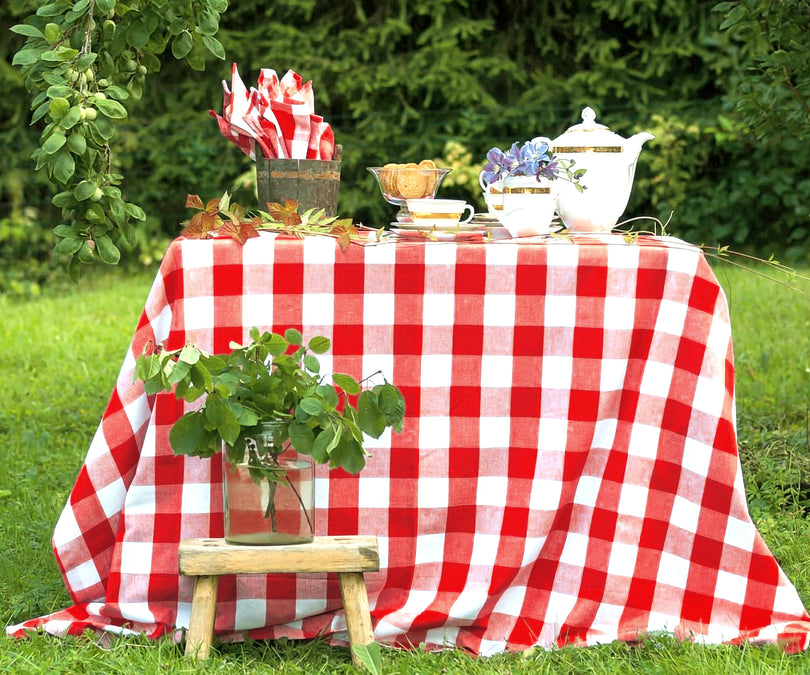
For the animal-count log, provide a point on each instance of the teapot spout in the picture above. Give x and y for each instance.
(635, 142)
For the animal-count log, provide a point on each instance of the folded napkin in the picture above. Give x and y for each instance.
(278, 116)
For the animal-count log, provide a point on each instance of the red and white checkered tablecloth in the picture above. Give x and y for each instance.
(568, 471)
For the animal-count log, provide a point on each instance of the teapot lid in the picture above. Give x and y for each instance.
(588, 136)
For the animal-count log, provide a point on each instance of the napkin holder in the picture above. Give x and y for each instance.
(313, 183)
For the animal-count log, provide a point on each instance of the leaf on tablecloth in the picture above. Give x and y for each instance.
(287, 215)
(205, 221)
(345, 231)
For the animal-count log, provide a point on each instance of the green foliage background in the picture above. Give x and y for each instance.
(399, 79)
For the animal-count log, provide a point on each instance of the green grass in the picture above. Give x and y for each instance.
(59, 360)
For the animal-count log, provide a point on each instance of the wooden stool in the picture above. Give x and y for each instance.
(208, 559)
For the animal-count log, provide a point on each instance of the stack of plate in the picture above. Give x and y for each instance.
(480, 226)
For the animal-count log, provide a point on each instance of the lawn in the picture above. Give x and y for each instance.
(60, 358)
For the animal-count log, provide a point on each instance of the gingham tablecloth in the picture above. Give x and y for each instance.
(568, 471)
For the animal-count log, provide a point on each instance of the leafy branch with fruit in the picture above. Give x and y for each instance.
(83, 63)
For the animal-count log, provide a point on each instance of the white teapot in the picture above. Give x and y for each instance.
(610, 164)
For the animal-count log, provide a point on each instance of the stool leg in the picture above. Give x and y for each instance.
(355, 605)
(203, 610)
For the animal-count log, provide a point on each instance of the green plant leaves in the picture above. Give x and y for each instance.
(347, 383)
(293, 336)
(182, 44)
(369, 415)
(27, 30)
(222, 418)
(112, 109)
(370, 656)
(84, 190)
(63, 166)
(242, 391)
(107, 250)
(214, 46)
(302, 437)
(188, 436)
(53, 144)
(319, 344)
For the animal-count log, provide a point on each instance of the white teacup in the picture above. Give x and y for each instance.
(493, 195)
(444, 214)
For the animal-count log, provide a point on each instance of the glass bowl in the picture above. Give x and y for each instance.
(398, 184)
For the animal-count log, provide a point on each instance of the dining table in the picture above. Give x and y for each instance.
(567, 472)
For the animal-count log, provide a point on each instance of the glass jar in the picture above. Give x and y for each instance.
(269, 490)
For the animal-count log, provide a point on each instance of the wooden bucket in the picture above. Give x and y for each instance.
(313, 183)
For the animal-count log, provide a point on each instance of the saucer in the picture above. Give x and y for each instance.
(463, 227)
(429, 234)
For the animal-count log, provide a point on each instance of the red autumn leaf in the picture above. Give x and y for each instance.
(201, 225)
(229, 229)
(247, 231)
(239, 231)
(345, 231)
(194, 202)
(287, 214)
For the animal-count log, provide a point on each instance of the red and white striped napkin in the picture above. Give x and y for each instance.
(278, 116)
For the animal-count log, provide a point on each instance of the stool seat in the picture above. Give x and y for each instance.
(208, 559)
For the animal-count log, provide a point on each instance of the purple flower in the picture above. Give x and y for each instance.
(533, 158)
(497, 166)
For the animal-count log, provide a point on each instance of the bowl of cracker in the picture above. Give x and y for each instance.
(400, 182)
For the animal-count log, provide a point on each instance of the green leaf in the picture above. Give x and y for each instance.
(328, 395)
(138, 34)
(118, 93)
(312, 364)
(72, 118)
(347, 383)
(63, 200)
(349, 455)
(276, 344)
(244, 415)
(134, 211)
(311, 406)
(188, 435)
(369, 416)
(63, 167)
(214, 46)
(59, 90)
(319, 344)
(81, 6)
(27, 30)
(208, 22)
(87, 252)
(181, 45)
(392, 404)
(69, 245)
(105, 5)
(222, 418)
(26, 57)
(77, 144)
(112, 109)
(301, 437)
(320, 447)
(53, 144)
(189, 354)
(293, 336)
(370, 656)
(84, 190)
(85, 61)
(59, 107)
(109, 253)
(40, 112)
